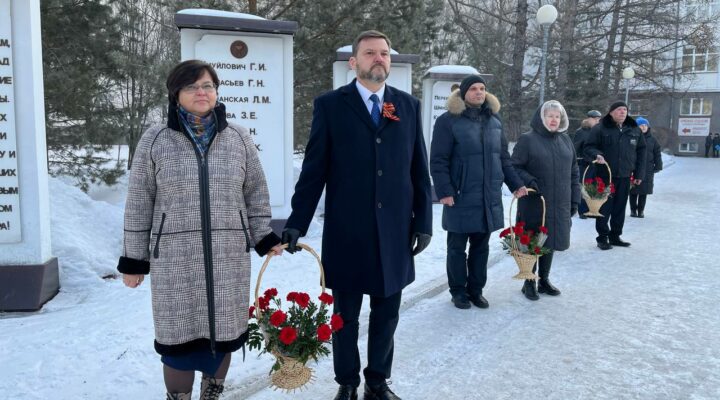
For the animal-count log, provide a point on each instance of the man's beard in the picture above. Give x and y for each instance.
(377, 77)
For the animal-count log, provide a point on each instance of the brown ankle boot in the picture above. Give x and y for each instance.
(179, 396)
(211, 388)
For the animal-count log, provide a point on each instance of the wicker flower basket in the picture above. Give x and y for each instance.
(525, 262)
(595, 204)
(292, 374)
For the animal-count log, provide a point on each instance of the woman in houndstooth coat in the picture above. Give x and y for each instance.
(197, 202)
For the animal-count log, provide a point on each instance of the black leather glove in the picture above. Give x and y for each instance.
(573, 209)
(290, 237)
(419, 242)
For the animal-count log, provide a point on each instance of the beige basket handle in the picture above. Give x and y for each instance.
(513, 245)
(267, 262)
(606, 166)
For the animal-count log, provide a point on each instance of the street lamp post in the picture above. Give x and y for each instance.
(628, 73)
(546, 15)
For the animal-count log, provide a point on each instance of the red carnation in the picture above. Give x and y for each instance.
(326, 298)
(252, 311)
(291, 296)
(324, 332)
(537, 250)
(277, 318)
(530, 232)
(336, 322)
(598, 179)
(302, 299)
(270, 293)
(264, 303)
(543, 230)
(525, 239)
(588, 181)
(505, 232)
(288, 335)
(518, 229)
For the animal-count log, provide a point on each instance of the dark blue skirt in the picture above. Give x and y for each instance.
(196, 361)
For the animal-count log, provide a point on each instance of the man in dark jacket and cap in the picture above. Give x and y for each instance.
(618, 142)
(469, 161)
(579, 138)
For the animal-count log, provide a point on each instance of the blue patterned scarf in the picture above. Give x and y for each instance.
(201, 129)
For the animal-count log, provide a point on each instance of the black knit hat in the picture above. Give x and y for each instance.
(617, 104)
(467, 82)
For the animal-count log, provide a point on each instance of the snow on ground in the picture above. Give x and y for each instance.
(637, 323)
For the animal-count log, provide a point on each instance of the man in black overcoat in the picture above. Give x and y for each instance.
(366, 149)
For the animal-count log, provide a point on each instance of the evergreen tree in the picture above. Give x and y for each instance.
(79, 39)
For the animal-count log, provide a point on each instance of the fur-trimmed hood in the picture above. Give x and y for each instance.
(456, 105)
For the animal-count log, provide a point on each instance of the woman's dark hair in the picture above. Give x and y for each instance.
(187, 73)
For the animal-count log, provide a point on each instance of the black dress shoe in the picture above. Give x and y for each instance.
(346, 392)
(641, 214)
(604, 246)
(461, 301)
(619, 242)
(379, 392)
(633, 214)
(544, 286)
(479, 301)
(529, 290)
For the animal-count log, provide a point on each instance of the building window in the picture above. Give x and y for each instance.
(688, 148)
(638, 107)
(702, 8)
(699, 60)
(696, 106)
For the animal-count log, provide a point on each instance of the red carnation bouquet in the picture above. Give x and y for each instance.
(595, 188)
(301, 333)
(525, 241)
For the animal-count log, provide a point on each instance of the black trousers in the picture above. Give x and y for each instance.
(707, 151)
(384, 317)
(613, 211)
(637, 202)
(467, 273)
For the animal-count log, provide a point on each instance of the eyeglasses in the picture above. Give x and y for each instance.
(207, 88)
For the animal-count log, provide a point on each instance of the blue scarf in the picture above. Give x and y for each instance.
(201, 129)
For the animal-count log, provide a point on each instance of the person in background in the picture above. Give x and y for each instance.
(366, 149)
(469, 161)
(708, 144)
(617, 141)
(546, 161)
(716, 145)
(184, 229)
(579, 138)
(653, 165)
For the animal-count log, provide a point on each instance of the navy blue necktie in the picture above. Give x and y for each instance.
(375, 113)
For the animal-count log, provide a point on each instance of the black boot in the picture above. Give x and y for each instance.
(346, 392)
(616, 241)
(529, 290)
(379, 392)
(633, 213)
(641, 214)
(603, 244)
(544, 285)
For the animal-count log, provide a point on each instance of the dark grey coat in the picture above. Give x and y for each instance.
(653, 164)
(469, 161)
(548, 161)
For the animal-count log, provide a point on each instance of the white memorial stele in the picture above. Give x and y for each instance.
(254, 61)
(400, 69)
(28, 273)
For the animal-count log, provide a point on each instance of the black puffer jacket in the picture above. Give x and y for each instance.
(469, 161)
(653, 164)
(622, 147)
(547, 160)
